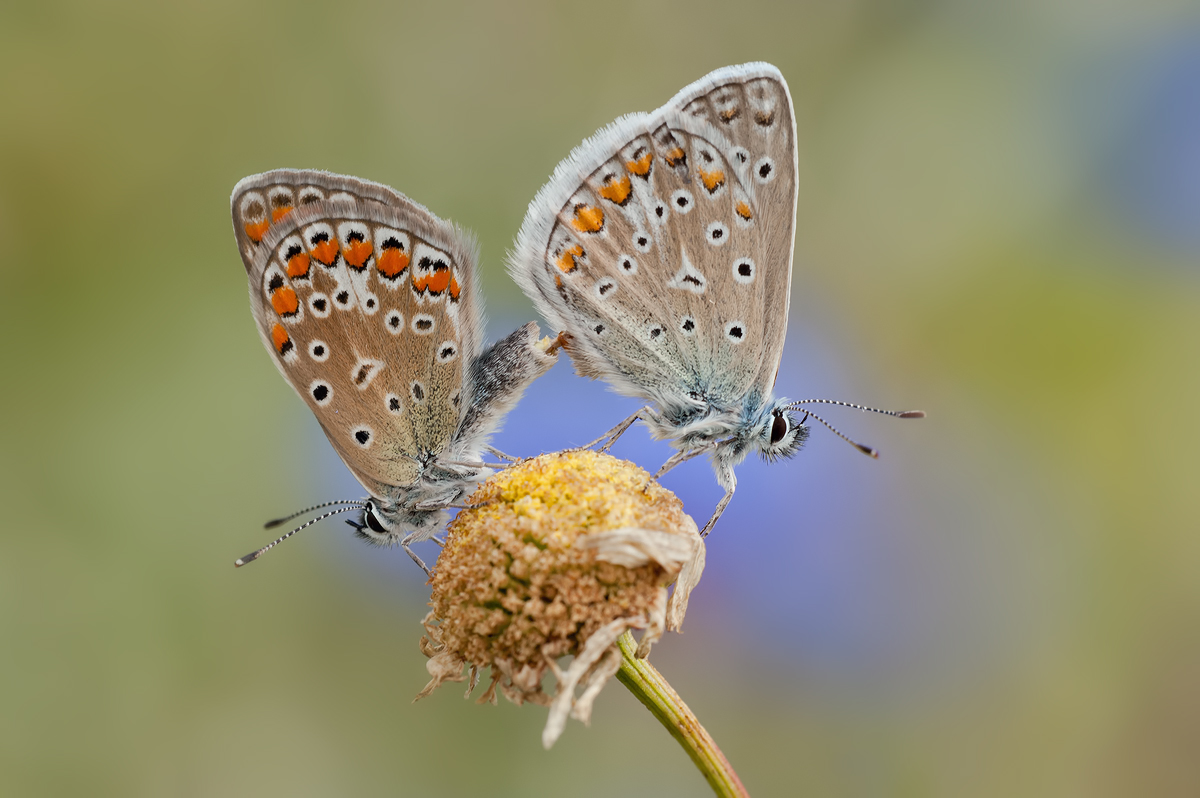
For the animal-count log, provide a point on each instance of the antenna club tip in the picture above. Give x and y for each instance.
(912, 414)
(240, 561)
(867, 450)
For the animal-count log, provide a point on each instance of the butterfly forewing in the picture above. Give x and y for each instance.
(670, 259)
(754, 112)
(369, 312)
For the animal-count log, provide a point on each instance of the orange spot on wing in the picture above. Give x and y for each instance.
(588, 219)
(674, 156)
(617, 190)
(256, 230)
(283, 299)
(712, 180)
(743, 210)
(357, 252)
(392, 262)
(454, 289)
(280, 338)
(438, 282)
(325, 251)
(640, 167)
(297, 265)
(568, 261)
(279, 213)
(420, 283)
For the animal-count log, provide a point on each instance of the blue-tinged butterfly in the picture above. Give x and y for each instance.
(662, 248)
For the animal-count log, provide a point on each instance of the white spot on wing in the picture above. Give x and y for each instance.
(318, 303)
(716, 234)
(660, 213)
(423, 324)
(764, 170)
(310, 194)
(321, 392)
(280, 197)
(364, 371)
(244, 207)
(681, 201)
(743, 270)
(363, 436)
(688, 278)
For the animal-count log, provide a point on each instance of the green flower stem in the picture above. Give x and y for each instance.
(645, 682)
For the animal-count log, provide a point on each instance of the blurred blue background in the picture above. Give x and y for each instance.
(999, 223)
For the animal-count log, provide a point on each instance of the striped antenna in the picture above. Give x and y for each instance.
(893, 413)
(252, 556)
(862, 447)
(277, 521)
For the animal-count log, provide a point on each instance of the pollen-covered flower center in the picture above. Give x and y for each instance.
(512, 587)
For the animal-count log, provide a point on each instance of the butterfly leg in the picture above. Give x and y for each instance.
(492, 450)
(729, 482)
(475, 506)
(672, 461)
(475, 465)
(404, 544)
(616, 432)
(677, 458)
(721, 505)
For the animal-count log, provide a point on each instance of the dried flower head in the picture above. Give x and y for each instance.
(561, 555)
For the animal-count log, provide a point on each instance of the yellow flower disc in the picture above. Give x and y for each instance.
(510, 586)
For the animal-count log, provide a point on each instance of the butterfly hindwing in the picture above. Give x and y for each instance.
(369, 310)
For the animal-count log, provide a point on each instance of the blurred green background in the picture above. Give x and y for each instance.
(999, 222)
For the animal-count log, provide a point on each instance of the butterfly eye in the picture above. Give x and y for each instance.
(779, 428)
(371, 521)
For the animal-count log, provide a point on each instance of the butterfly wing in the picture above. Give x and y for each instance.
(368, 305)
(262, 200)
(663, 243)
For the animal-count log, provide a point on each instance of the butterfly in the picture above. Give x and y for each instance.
(369, 306)
(662, 248)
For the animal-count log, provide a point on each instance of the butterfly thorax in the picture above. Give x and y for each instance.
(415, 512)
(728, 434)
(693, 426)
